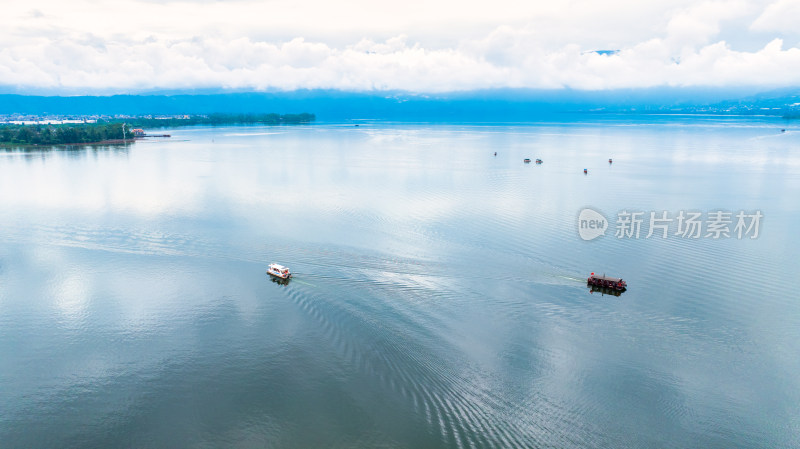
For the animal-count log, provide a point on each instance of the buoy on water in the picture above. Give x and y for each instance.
(610, 161)
(585, 171)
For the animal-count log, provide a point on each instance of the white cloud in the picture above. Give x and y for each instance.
(700, 23)
(781, 16)
(419, 46)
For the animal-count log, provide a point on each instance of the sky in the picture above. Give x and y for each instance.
(133, 46)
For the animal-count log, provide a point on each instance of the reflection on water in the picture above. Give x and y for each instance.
(280, 281)
(77, 150)
(440, 298)
(605, 290)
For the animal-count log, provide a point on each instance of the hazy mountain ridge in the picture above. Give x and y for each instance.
(482, 105)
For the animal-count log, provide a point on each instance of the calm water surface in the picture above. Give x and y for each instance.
(439, 297)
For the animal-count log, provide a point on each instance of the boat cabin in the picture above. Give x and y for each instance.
(279, 271)
(607, 282)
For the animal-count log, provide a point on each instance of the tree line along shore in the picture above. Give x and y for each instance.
(120, 129)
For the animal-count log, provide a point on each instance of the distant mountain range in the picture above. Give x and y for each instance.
(485, 105)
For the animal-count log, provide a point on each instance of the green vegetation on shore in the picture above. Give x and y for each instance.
(112, 129)
(59, 134)
(218, 119)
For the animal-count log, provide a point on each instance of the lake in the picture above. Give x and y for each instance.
(439, 296)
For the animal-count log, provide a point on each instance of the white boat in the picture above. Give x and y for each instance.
(279, 271)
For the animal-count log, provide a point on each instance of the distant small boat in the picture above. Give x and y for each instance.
(783, 130)
(585, 171)
(610, 161)
(279, 271)
(538, 161)
(527, 161)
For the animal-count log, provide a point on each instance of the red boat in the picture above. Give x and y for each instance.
(607, 282)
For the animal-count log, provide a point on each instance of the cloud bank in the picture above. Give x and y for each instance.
(132, 46)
